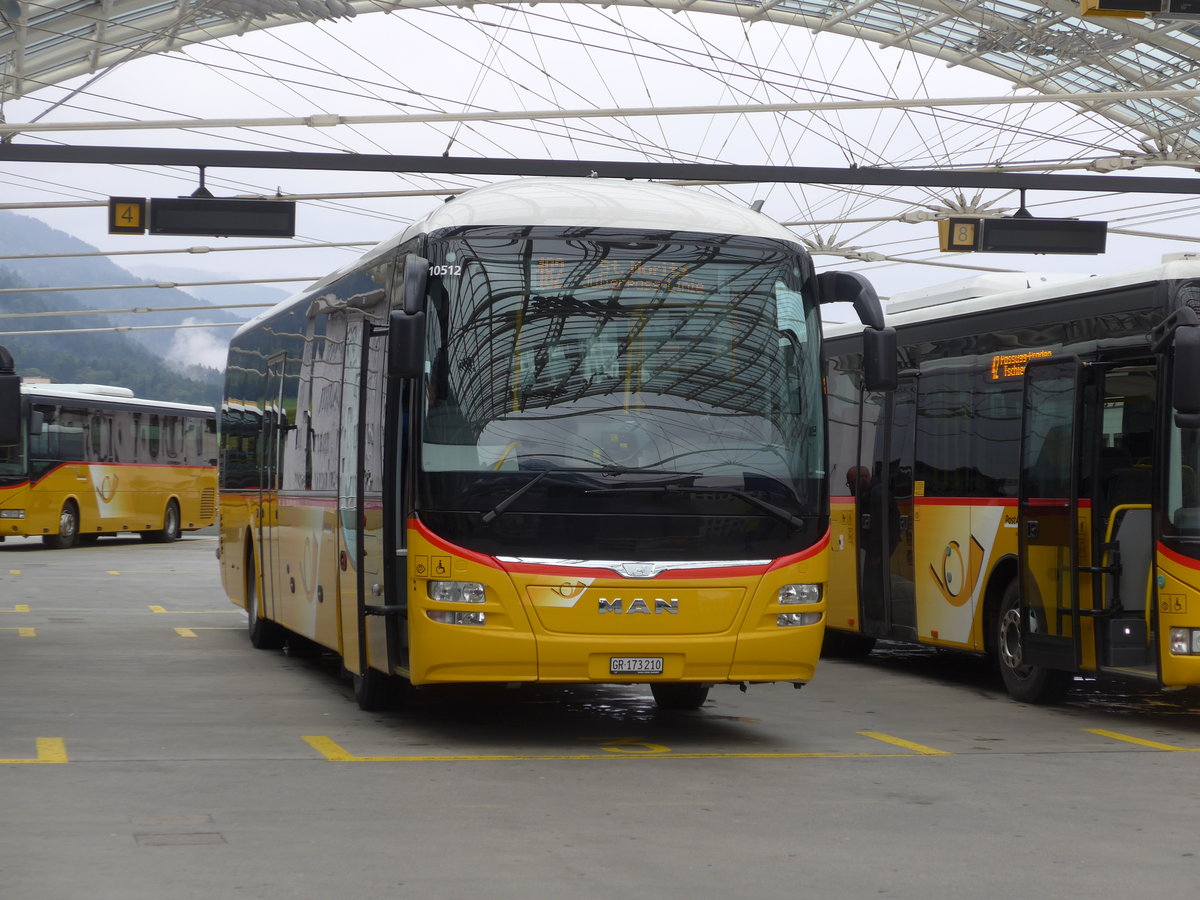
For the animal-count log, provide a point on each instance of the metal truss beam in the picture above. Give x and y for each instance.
(451, 165)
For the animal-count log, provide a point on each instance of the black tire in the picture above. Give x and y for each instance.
(1028, 684)
(844, 645)
(68, 528)
(264, 635)
(172, 526)
(679, 694)
(374, 690)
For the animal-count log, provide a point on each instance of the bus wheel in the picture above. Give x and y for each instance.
(264, 635)
(679, 694)
(1026, 683)
(68, 528)
(844, 645)
(171, 526)
(373, 690)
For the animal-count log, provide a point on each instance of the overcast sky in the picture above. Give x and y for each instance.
(453, 59)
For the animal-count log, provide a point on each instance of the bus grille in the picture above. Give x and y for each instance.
(208, 505)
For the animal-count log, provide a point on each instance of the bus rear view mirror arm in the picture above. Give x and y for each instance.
(850, 287)
(880, 365)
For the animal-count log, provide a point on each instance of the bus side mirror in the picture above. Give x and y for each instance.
(880, 370)
(1185, 382)
(10, 401)
(416, 278)
(880, 358)
(406, 344)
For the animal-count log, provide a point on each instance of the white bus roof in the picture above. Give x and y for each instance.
(1015, 289)
(574, 202)
(107, 393)
(1005, 289)
(602, 203)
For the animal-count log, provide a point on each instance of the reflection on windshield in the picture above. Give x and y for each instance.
(618, 351)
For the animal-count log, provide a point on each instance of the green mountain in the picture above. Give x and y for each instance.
(182, 365)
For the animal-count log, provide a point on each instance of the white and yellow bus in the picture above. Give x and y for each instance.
(560, 431)
(88, 460)
(1030, 490)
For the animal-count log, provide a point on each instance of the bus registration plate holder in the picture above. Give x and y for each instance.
(635, 665)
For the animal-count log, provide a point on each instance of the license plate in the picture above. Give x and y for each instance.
(636, 665)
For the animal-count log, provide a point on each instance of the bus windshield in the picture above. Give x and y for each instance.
(620, 360)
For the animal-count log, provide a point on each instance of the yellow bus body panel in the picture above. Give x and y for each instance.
(547, 626)
(112, 498)
(1178, 602)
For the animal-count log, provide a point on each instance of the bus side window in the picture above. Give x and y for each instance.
(72, 430)
(101, 438)
(153, 436)
(170, 437)
(122, 434)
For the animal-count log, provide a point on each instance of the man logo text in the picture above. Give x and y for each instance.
(638, 605)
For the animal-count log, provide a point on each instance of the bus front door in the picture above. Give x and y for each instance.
(366, 651)
(885, 515)
(271, 439)
(1122, 526)
(1048, 523)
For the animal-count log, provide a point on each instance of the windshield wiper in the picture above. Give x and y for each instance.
(500, 508)
(778, 511)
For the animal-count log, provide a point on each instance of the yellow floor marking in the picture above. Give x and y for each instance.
(336, 753)
(49, 750)
(1141, 742)
(20, 607)
(908, 745)
(14, 571)
(113, 572)
(191, 632)
(22, 631)
(193, 612)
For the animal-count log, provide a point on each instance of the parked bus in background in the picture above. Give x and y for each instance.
(561, 431)
(88, 460)
(1032, 484)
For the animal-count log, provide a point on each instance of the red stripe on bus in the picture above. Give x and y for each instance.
(964, 501)
(1186, 561)
(601, 572)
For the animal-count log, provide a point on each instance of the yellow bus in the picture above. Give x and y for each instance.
(560, 432)
(1029, 491)
(84, 460)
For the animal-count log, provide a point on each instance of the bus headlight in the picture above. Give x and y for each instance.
(798, 595)
(1185, 641)
(456, 591)
(12, 513)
